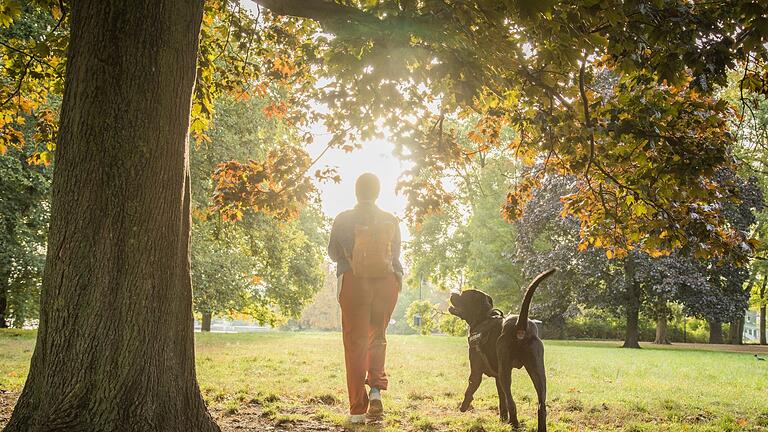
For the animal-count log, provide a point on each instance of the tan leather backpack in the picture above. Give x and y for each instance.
(372, 251)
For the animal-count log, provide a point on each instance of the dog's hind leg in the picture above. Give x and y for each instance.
(535, 369)
(503, 413)
(505, 377)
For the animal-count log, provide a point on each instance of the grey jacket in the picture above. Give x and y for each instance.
(343, 236)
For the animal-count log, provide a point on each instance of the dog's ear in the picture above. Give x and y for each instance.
(489, 299)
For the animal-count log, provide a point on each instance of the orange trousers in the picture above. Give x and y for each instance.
(366, 307)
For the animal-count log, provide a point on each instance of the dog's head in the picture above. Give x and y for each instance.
(472, 306)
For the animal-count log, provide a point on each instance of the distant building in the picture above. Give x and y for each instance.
(751, 326)
(226, 325)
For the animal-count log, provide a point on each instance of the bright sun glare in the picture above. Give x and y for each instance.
(375, 156)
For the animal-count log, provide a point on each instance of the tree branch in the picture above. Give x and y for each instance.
(322, 11)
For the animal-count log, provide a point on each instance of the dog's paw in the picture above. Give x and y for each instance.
(466, 406)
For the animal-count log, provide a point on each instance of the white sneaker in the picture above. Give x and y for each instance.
(375, 407)
(356, 419)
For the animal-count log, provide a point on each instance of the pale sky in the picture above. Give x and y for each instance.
(375, 157)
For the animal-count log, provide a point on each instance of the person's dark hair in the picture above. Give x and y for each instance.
(367, 187)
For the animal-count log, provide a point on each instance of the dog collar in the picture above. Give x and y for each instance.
(476, 332)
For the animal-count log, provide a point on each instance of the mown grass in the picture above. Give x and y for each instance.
(592, 386)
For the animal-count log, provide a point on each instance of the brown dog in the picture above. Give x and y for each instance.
(497, 344)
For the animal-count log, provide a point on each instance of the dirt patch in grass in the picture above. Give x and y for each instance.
(7, 400)
(250, 418)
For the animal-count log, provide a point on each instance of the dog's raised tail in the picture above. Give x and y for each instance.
(522, 319)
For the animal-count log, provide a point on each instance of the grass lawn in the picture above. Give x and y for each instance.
(293, 378)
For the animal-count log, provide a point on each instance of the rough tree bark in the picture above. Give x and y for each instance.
(205, 324)
(632, 337)
(115, 346)
(715, 332)
(661, 331)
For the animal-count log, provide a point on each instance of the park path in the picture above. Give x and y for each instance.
(752, 349)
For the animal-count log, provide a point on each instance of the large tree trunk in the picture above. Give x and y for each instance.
(761, 297)
(736, 332)
(115, 348)
(715, 332)
(632, 307)
(205, 324)
(661, 331)
(632, 337)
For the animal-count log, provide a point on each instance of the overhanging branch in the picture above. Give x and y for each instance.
(322, 11)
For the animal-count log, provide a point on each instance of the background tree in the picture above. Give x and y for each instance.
(324, 312)
(547, 239)
(587, 276)
(663, 278)
(27, 125)
(751, 129)
(438, 251)
(261, 265)
(452, 325)
(24, 211)
(759, 299)
(466, 244)
(632, 284)
(422, 316)
(722, 295)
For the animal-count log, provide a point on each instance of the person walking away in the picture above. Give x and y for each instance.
(365, 244)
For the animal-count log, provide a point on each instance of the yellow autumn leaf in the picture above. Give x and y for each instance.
(640, 209)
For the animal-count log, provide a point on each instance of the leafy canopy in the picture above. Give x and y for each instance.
(622, 97)
(618, 94)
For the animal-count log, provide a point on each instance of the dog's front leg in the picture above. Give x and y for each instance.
(469, 394)
(475, 378)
